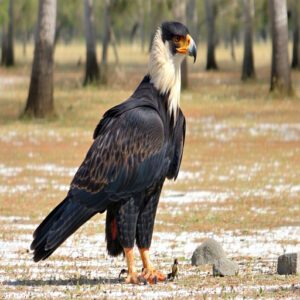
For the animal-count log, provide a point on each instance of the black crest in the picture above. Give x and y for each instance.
(170, 29)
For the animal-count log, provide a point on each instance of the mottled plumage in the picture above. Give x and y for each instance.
(137, 145)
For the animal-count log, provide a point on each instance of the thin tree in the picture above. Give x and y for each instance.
(40, 98)
(7, 56)
(157, 15)
(192, 19)
(142, 8)
(248, 70)
(91, 67)
(10, 60)
(179, 12)
(232, 38)
(280, 72)
(296, 36)
(3, 44)
(211, 12)
(105, 40)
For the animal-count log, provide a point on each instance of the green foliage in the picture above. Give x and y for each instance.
(25, 15)
(125, 14)
(3, 11)
(69, 18)
(229, 17)
(261, 15)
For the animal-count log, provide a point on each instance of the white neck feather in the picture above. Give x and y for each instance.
(164, 70)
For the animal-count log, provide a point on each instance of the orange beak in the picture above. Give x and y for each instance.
(188, 47)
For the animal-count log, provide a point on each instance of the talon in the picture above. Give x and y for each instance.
(142, 280)
(149, 273)
(123, 271)
(153, 276)
(133, 278)
(146, 274)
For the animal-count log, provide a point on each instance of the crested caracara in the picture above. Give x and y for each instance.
(137, 145)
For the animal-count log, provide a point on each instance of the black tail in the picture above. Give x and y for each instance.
(64, 220)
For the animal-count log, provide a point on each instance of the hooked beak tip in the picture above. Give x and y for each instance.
(195, 56)
(193, 50)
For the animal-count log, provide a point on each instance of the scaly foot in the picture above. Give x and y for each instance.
(153, 276)
(133, 278)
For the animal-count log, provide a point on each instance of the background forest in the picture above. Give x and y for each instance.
(118, 22)
(64, 63)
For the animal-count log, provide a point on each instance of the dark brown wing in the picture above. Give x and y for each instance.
(178, 144)
(128, 155)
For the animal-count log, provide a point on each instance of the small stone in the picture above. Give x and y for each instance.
(225, 267)
(207, 253)
(289, 263)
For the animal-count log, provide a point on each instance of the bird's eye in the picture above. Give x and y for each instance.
(176, 38)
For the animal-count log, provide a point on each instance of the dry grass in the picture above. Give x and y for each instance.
(242, 144)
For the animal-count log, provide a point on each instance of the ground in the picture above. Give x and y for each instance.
(239, 182)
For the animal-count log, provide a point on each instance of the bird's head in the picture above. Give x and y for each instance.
(177, 39)
(171, 44)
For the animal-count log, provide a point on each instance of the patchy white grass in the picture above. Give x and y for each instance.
(263, 210)
(19, 188)
(7, 171)
(52, 169)
(13, 219)
(267, 192)
(195, 196)
(9, 136)
(34, 188)
(285, 132)
(188, 176)
(82, 266)
(9, 81)
(35, 135)
(260, 243)
(45, 173)
(224, 132)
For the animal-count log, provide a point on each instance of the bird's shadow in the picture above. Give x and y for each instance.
(82, 280)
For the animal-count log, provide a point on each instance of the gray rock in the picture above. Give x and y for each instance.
(289, 263)
(225, 267)
(207, 253)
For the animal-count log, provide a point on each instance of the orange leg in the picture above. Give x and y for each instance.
(149, 273)
(132, 276)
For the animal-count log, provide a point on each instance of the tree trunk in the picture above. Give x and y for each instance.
(296, 36)
(142, 8)
(105, 42)
(179, 13)
(248, 61)
(210, 11)
(24, 45)
(3, 45)
(7, 56)
(40, 99)
(156, 15)
(192, 19)
(114, 44)
(232, 44)
(10, 61)
(91, 67)
(280, 73)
